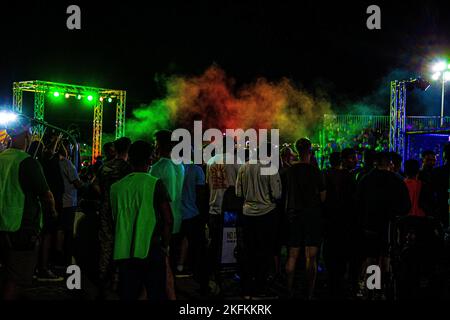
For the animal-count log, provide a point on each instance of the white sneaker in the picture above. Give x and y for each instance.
(48, 276)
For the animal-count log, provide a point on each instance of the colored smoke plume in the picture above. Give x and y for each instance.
(213, 98)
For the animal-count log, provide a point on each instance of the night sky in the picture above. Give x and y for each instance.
(126, 44)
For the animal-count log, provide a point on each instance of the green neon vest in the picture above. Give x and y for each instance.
(133, 214)
(12, 198)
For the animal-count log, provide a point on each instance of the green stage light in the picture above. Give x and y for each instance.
(90, 98)
(67, 95)
(109, 100)
(79, 97)
(56, 94)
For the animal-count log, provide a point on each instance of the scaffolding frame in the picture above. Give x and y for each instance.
(397, 130)
(42, 88)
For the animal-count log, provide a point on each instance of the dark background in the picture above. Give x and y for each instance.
(128, 44)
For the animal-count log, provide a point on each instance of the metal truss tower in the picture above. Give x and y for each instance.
(397, 131)
(97, 134)
(42, 88)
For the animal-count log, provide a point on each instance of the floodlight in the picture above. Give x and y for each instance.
(56, 94)
(422, 84)
(67, 95)
(441, 69)
(447, 76)
(436, 76)
(418, 83)
(440, 66)
(90, 98)
(7, 117)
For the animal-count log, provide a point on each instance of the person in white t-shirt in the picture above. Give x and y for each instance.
(221, 174)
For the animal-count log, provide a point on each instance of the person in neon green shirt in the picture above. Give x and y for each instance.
(143, 226)
(23, 190)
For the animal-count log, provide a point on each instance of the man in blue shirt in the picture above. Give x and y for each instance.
(192, 232)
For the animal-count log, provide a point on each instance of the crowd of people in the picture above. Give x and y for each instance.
(153, 221)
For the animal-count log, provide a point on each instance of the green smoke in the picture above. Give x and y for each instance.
(147, 119)
(108, 137)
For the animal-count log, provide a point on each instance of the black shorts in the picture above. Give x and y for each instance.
(304, 228)
(66, 219)
(191, 227)
(375, 245)
(50, 224)
(150, 272)
(19, 257)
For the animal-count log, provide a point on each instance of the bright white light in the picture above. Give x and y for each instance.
(440, 66)
(447, 76)
(436, 76)
(7, 117)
